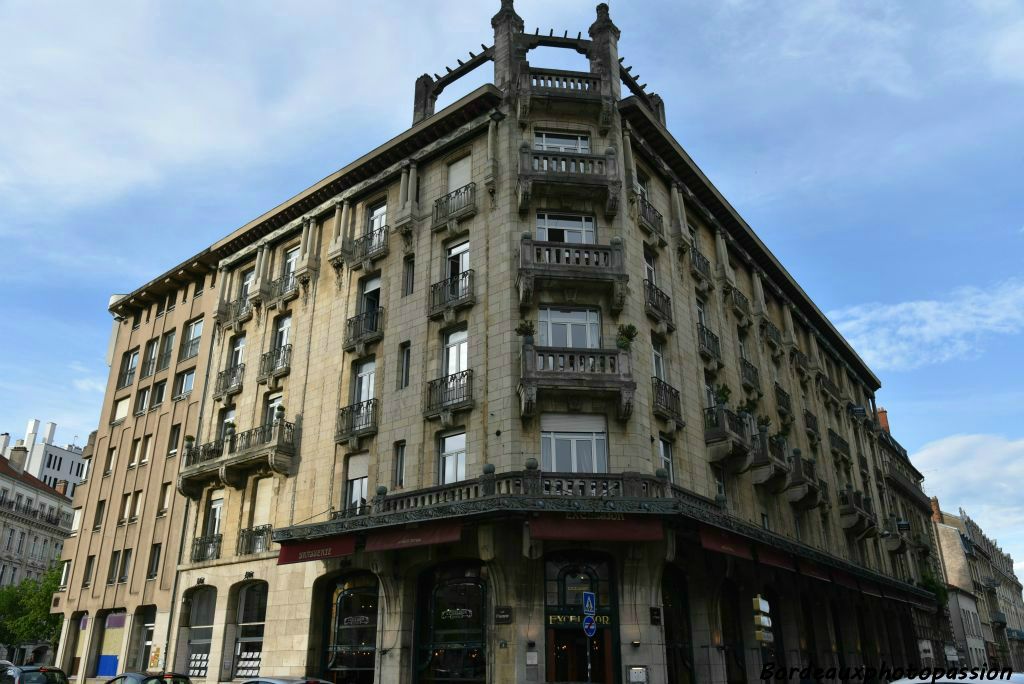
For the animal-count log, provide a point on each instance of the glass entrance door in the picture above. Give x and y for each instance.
(569, 655)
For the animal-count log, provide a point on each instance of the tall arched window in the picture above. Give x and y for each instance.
(570, 655)
(453, 632)
(252, 612)
(200, 630)
(353, 645)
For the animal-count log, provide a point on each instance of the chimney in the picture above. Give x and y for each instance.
(48, 432)
(5, 439)
(61, 487)
(19, 455)
(883, 418)
(31, 430)
(936, 511)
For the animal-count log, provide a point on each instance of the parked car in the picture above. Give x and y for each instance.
(284, 680)
(32, 674)
(150, 678)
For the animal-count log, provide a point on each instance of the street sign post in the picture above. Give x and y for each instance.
(589, 626)
(589, 603)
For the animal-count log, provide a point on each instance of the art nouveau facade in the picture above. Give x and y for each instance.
(523, 351)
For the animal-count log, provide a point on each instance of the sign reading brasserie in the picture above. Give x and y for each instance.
(457, 614)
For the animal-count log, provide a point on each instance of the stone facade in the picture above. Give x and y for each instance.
(522, 351)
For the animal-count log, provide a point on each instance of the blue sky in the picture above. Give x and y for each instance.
(877, 148)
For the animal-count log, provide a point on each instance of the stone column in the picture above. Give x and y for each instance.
(343, 231)
(760, 307)
(789, 329)
(413, 180)
(507, 26)
(632, 182)
(678, 210)
(403, 187)
(604, 59)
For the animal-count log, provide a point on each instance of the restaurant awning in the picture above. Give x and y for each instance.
(424, 535)
(811, 569)
(844, 580)
(714, 539)
(557, 528)
(766, 555)
(316, 549)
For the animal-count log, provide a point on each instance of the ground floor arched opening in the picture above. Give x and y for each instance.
(451, 610)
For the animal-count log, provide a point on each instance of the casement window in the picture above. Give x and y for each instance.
(741, 342)
(172, 299)
(136, 510)
(214, 509)
(665, 458)
(376, 217)
(237, 354)
(702, 313)
(270, 408)
(65, 573)
(356, 483)
(408, 275)
(193, 337)
(568, 228)
(115, 564)
(153, 568)
(133, 455)
(157, 395)
(398, 481)
(718, 477)
(142, 401)
(97, 518)
(165, 498)
(364, 377)
(166, 350)
(172, 440)
(574, 443)
(90, 566)
(136, 319)
(183, 383)
(76, 520)
(245, 282)
(456, 352)
(572, 328)
(643, 185)
(108, 466)
(282, 332)
(126, 508)
(404, 364)
(290, 262)
(126, 564)
(552, 141)
(369, 299)
(456, 262)
(660, 365)
(452, 461)
(120, 411)
(226, 418)
(197, 289)
(129, 362)
(460, 173)
(650, 267)
(149, 358)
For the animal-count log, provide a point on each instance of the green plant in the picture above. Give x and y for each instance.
(627, 333)
(747, 406)
(763, 421)
(526, 329)
(722, 393)
(936, 587)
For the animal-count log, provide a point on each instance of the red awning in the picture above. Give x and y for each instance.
(316, 549)
(809, 569)
(621, 528)
(424, 535)
(845, 580)
(766, 555)
(714, 539)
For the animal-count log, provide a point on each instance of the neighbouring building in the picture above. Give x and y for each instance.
(35, 520)
(519, 364)
(982, 579)
(47, 461)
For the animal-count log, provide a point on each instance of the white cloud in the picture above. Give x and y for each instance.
(1006, 52)
(94, 385)
(981, 474)
(908, 335)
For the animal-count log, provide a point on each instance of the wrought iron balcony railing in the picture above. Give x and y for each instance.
(772, 334)
(254, 540)
(370, 246)
(283, 286)
(657, 303)
(700, 264)
(452, 293)
(457, 204)
(356, 420)
(811, 423)
(206, 548)
(650, 218)
(276, 361)
(749, 375)
(782, 400)
(364, 328)
(801, 362)
(740, 302)
(667, 401)
(840, 447)
(449, 393)
(229, 380)
(708, 344)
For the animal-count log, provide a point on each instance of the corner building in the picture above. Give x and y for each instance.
(523, 351)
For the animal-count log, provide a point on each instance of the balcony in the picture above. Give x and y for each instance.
(804, 488)
(549, 176)
(700, 268)
(447, 395)
(206, 548)
(811, 427)
(229, 460)
(454, 208)
(770, 467)
(772, 336)
(362, 251)
(229, 381)
(284, 289)
(829, 390)
(364, 329)
(650, 219)
(907, 485)
(452, 294)
(709, 347)
(559, 92)
(855, 514)
(668, 404)
(990, 583)
(357, 420)
(839, 446)
(728, 437)
(894, 540)
(125, 378)
(583, 268)
(740, 306)
(998, 618)
(189, 349)
(233, 313)
(254, 540)
(802, 364)
(275, 364)
(658, 305)
(783, 403)
(750, 377)
(572, 373)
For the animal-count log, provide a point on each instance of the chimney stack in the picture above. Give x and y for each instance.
(61, 487)
(883, 419)
(936, 511)
(48, 432)
(5, 440)
(31, 430)
(19, 456)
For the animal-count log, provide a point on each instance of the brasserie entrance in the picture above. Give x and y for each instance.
(570, 655)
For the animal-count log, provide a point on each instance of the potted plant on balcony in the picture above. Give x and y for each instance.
(763, 422)
(747, 406)
(624, 339)
(526, 330)
(722, 393)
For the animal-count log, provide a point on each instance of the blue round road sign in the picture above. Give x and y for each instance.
(589, 626)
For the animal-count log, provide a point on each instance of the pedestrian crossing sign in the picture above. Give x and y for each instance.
(589, 603)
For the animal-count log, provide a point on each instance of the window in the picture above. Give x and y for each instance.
(741, 339)
(136, 319)
(183, 382)
(566, 228)
(665, 457)
(245, 283)
(290, 263)
(126, 563)
(190, 344)
(283, 332)
(356, 483)
(550, 141)
(97, 519)
(108, 466)
(153, 568)
(200, 284)
(376, 217)
(115, 563)
(658, 352)
(456, 263)
(160, 307)
(200, 631)
(460, 173)
(364, 376)
(354, 627)
(399, 478)
(452, 467)
(120, 411)
(147, 448)
(149, 358)
(159, 390)
(572, 443)
(270, 406)
(76, 520)
(166, 350)
(764, 521)
(650, 267)
(172, 299)
(718, 477)
(133, 458)
(408, 275)
(369, 298)
(214, 507)
(578, 329)
(136, 506)
(456, 352)
(702, 314)
(172, 440)
(237, 356)
(126, 508)
(90, 563)
(165, 498)
(129, 361)
(404, 364)
(65, 572)
(251, 614)
(10, 540)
